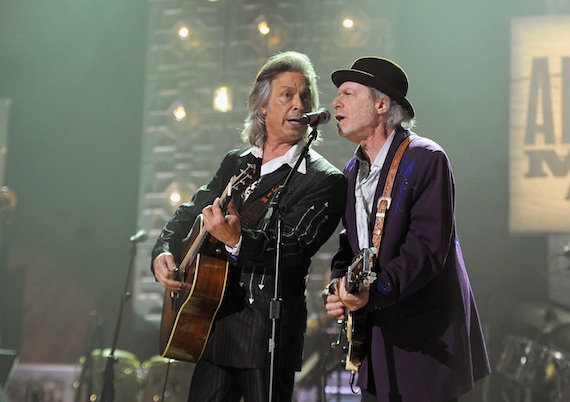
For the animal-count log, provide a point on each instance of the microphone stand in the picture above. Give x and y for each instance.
(108, 389)
(85, 388)
(275, 304)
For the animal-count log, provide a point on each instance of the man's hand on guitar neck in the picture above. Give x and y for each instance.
(164, 270)
(340, 299)
(224, 227)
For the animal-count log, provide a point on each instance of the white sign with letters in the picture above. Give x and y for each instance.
(540, 125)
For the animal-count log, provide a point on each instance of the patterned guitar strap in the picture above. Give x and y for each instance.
(383, 205)
(254, 211)
(385, 200)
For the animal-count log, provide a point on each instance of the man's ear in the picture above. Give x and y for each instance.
(382, 105)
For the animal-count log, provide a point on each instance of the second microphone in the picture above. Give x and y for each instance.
(320, 116)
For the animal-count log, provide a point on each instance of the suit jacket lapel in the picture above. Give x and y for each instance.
(351, 172)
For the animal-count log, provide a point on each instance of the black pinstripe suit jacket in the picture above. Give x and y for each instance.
(311, 209)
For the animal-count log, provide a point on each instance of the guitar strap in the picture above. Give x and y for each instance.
(256, 209)
(383, 206)
(258, 201)
(386, 199)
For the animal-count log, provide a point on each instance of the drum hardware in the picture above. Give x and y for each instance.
(539, 368)
(320, 361)
(522, 359)
(165, 380)
(558, 368)
(560, 337)
(125, 383)
(543, 317)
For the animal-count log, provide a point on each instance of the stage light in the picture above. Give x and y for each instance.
(179, 192)
(183, 32)
(348, 23)
(179, 113)
(355, 30)
(268, 34)
(263, 28)
(174, 197)
(186, 118)
(189, 36)
(223, 99)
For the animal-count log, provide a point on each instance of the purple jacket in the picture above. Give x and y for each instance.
(424, 338)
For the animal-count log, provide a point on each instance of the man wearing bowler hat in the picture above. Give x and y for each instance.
(422, 335)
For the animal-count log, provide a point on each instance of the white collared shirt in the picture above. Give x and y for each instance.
(365, 189)
(289, 158)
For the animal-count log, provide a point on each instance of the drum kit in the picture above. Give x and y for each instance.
(157, 379)
(537, 361)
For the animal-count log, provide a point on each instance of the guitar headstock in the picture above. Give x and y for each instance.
(241, 181)
(359, 273)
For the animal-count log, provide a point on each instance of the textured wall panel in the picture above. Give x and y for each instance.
(224, 46)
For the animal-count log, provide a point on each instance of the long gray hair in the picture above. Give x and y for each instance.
(254, 126)
(397, 115)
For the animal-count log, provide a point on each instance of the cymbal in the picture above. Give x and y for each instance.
(541, 315)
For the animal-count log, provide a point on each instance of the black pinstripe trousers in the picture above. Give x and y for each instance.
(212, 383)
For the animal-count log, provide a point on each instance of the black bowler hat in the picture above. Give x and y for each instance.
(379, 73)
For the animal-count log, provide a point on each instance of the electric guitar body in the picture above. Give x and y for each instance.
(359, 275)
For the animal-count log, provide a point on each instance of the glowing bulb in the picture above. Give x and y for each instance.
(179, 192)
(179, 113)
(223, 99)
(183, 32)
(263, 28)
(174, 198)
(348, 23)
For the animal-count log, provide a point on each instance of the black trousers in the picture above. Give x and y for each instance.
(370, 397)
(214, 383)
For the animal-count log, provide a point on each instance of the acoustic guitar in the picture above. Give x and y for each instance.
(188, 315)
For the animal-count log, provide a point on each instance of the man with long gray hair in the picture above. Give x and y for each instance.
(236, 361)
(420, 339)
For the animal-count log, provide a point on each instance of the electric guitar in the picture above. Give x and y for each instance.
(188, 315)
(358, 276)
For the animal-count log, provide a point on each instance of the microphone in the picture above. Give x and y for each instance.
(321, 116)
(139, 237)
